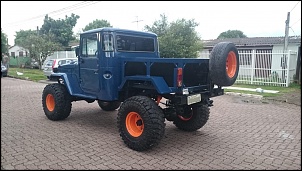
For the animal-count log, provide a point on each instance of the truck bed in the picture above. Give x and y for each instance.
(195, 71)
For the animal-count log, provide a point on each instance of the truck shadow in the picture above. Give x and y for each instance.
(94, 119)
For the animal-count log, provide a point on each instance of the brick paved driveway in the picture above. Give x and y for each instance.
(238, 135)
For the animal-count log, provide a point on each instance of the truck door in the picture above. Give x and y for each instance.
(108, 73)
(89, 63)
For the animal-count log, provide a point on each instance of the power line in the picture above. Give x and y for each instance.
(295, 22)
(56, 12)
(39, 16)
(292, 30)
(295, 6)
(78, 8)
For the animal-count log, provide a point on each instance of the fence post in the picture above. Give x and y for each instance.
(287, 68)
(253, 66)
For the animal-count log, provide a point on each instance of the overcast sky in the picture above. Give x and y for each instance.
(254, 18)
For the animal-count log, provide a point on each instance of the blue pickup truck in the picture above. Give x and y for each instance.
(122, 70)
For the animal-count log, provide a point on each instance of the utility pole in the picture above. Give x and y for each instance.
(284, 61)
(7, 53)
(286, 33)
(137, 21)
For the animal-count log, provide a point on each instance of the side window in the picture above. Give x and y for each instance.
(89, 45)
(107, 42)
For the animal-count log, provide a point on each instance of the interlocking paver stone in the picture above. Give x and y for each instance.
(238, 135)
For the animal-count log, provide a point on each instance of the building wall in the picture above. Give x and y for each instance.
(277, 57)
(17, 49)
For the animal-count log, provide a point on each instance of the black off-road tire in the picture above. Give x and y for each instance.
(56, 102)
(151, 118)
(197, 117)
(109, 106)
(222, 55)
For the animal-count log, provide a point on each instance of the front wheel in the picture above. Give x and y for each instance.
(56, 102)
(194, 117)
(141, 123)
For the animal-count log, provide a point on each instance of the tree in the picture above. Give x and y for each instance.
(97, 24)
(160, 26)
(177, 39)
(23, 35)
(231, 34)
(60, 29)
(40, 46)
(3, 43)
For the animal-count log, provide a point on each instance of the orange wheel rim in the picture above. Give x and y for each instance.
(231, 64)
(50, 102)
(134, 124)
(185, 119)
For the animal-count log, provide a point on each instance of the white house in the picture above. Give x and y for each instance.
(18, 51)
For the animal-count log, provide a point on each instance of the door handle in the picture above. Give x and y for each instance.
(107, 75)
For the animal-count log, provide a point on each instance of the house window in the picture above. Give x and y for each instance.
(12, 54)
(245, 57)
(21, 54)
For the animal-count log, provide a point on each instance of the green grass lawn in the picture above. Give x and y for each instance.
(28, 74)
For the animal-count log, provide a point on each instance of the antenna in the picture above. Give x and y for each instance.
(137, 21)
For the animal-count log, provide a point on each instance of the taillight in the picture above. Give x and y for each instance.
(53, 64)
(179, 77)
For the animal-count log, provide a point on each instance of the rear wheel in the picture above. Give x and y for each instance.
(56, 102)
(224, 64)
(194, 117)
(109, 106)
(140, 123)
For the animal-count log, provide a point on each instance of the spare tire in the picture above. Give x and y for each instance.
(224, 64)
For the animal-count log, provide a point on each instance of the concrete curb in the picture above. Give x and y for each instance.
(245, 95)
(46, 81)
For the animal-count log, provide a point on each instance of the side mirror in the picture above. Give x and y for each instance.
(77, 51)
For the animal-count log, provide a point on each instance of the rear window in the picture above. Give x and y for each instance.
(135, 44)
(49, 63)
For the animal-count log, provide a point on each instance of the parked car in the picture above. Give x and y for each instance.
(35, 65)
(4, 70)
(51, 66)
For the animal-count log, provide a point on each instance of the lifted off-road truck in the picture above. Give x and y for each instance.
(122, 69)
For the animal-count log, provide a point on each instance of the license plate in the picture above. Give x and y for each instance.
(193, 99)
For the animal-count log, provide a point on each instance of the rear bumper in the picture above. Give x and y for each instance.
(184, 99)
(48, 73)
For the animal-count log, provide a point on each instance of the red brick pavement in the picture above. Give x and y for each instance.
(238, 135)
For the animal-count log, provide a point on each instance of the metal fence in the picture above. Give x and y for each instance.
(62, 54)
(265, 67)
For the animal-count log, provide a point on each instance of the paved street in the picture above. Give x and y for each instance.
(238, 135)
